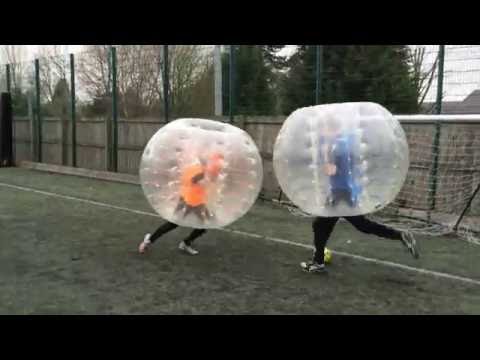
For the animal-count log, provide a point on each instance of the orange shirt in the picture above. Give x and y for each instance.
(193, 194)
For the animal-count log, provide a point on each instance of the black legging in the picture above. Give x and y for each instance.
(323, 227)
(200, 211)
(168, 226)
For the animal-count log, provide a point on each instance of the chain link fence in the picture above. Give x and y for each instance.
(114, 86)
(97, 109)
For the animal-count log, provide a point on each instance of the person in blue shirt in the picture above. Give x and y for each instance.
(337, 150)
(337, 154)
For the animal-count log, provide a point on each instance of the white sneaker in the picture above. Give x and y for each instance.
(188, 249)
(144, 244)
(313, 267)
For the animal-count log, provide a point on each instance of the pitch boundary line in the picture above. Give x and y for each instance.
(253, 235)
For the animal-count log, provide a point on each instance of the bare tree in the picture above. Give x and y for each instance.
(53, 68)
(422, 74)
(93, 71)
(15, 55)
(140, 75)
(188, 64)
(137, 68)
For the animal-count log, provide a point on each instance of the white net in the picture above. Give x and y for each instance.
(444, 174)
(440, 190)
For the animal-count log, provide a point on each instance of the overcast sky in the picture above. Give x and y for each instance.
(33, 49)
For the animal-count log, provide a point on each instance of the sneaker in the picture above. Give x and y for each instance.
(188, 249)
(313, 267)
(144, 244)
(410, 243)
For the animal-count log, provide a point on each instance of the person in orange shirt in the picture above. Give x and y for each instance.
(193, 199)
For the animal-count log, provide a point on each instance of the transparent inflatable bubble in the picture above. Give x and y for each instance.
(201, 173)
(341, 159)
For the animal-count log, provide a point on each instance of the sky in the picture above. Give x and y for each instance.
(33, 49)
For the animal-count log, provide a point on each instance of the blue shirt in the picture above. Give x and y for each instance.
(342, 156)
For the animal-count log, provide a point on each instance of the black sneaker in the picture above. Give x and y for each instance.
(410, 243)
(313, 267)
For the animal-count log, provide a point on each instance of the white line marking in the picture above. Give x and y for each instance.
(90, 202)
(363, 258)
(252, 235)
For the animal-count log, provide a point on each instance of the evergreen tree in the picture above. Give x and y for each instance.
(352, 73)
(19, 102)
(60, 100)
(253, 78)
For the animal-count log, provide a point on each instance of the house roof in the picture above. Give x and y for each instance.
(470, 105)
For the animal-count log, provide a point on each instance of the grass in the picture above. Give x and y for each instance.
(65, 257)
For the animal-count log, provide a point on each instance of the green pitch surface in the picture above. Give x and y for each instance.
(61, 254)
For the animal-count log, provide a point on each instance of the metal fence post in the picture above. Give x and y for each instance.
(232, 83)
(9, 90)
(218, 91)
(38, 115)
(441, 61)
(114, 110)
(436, 140)
(318, 73)
(166, 83)
(6, 130)
(73, 110)
(9, 85)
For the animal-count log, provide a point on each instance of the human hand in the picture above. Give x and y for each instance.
(330, 169)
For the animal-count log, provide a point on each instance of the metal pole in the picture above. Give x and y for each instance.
(232, 83)
(466, 207)
(114, 111)
(73, 110)
(9, 90)
(218, 80)
(6, 131)
(9, 85)
(433, 175)
(32, 122)
(441, 61)
(166, 83)
(318, 73)
(436, 140)
(38, 116)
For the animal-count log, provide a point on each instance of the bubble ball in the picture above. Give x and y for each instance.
(201, 173)
(342, 159)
